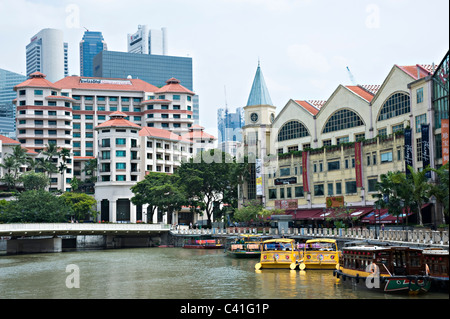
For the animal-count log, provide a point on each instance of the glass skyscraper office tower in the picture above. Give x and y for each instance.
(8, 80)
(91, 44)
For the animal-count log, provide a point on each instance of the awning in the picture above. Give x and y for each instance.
(357, 212)
(383, 217)
(320, 214)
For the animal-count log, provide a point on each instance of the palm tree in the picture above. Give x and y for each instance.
(64, 154)
(11, 166)
(51, 151)
(90, 168)
(440, 189)
(418, 187)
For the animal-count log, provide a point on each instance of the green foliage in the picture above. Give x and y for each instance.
(36, 206)
(34, 181)
(82, 206)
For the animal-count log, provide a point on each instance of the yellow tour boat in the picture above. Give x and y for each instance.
(320, 253)
(278, 253)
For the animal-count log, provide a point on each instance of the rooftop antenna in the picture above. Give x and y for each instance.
(86, 29)
(352, 78)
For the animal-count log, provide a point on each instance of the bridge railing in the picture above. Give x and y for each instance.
(404, 236)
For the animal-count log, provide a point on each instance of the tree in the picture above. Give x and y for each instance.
(440, 190)
(208, 179)
(160, 191)
(10, 166)
(418, 190)
(37, 206)
(90, 168)
(82, 206)
(34, 181)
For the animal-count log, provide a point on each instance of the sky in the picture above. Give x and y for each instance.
(303, 46)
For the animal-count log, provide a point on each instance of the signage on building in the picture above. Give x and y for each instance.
(283, 181)
(106, 81)
(259, 187)
(426, 147)
(358, 164)
(305, 171)
(335, 201)
(286, 204)
(445, 140)
(408, 150)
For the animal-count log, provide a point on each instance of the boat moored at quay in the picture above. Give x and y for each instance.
(278, 253)
(320, 253)
(387, 269)
(246, 246)
(437, 268)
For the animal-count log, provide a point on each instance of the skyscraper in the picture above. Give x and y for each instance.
(48, 53)
(148, 41)
(229, 127)
(91, 44)
(8, 80)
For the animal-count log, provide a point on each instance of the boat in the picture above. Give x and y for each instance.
(321, 253)
(203, 244)
(387, 269)
(278, 253)
(245, 246)
(436, 266)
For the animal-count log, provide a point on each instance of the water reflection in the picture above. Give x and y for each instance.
(169, 273)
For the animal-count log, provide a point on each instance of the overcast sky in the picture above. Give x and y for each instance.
(304, 46)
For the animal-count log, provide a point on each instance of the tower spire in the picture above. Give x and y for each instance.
(259, 94)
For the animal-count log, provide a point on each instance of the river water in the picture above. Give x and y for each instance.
(165, 273)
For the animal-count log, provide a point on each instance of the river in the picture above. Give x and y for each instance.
(166, 273)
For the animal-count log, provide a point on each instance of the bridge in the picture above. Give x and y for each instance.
(48, 237)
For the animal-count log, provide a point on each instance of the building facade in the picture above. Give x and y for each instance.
(129, 126)
(314, 152)
(229, 127)
(91, 44)
(8, 80)
(48, 53)
(148, 41)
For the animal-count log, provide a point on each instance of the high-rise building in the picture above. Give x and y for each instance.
(154, 69)
(91, 44)
(8, 80)
(230, 129)
(48, 53)
(148, 41)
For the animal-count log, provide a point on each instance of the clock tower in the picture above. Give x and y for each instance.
(259, 113)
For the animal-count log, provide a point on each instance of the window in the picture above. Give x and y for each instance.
(350, 187)
(372, 183)
(176, 97)
(106, 155)
(341, 120)
(419, 95)
(360, 137)
(338, 188)
(341, 140)
(272, 193)
(120, 141)
(38, 92)
(292, 130)
(121, 165)
(326, 143)
(121, 153)
(396, 105)
(281, 192)
(285, 171)
(289, 192)
(299, 191)
(89, 144)
(397, 128)
(334, 165)
(419, 149)
(382, 132)
(386, 157)
(318, 190)
(330, 188)
(120, 178)
(420, 119)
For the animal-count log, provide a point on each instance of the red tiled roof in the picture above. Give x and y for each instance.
(173, 86)
(8, 141)
(83, 157)
(73, 82)
(58, 97)
(161, 133)
(365, 94)
(36, 79)
(417, 71)
(198, 135)
(308, 107)
(117, 120)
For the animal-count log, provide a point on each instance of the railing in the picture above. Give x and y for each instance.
(405, 236)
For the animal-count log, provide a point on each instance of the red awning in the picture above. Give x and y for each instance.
(303, 214)
(383, 217)
(357, 212)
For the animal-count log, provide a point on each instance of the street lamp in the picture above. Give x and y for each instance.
(377, 232)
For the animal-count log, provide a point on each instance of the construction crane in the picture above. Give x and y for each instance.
(352, 78)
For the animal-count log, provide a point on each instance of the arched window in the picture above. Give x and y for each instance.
(396, 105)
(292, 130)
(342, 120)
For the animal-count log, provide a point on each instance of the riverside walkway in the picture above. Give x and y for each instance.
(425, 238)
